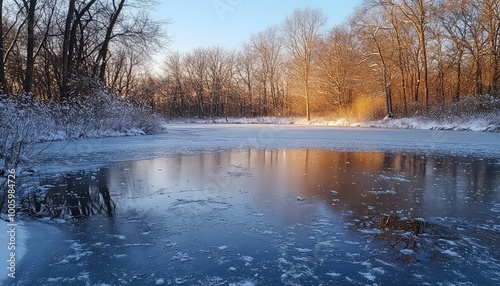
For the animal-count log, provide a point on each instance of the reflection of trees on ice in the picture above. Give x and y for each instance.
(78, 201)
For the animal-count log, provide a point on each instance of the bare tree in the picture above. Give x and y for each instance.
(176, 84)
(103, 51)
(267, 47)
(73, 21)
(30, 62)
(339, 62)
(127, 25)
(219, 75)
(246, 68)
(399, 36)
(302, 30)
(455, 21)
(477, 43)
(3, 81)
(491, 20)
(377, 29)
(65, 51)
(417, 12)
(196, 65)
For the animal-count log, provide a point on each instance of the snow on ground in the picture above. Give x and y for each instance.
(488, 122)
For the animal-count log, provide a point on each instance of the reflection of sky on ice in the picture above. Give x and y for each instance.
(234, 217)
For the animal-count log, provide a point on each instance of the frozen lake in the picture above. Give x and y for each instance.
(291, 216)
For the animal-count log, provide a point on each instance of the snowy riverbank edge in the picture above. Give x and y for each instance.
(480, 123)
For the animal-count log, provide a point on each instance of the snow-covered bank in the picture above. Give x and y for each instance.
(101, 116)
(487, 122)
(24, 121)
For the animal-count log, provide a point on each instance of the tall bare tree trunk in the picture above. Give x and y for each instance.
(65, 55)
(423, 47)
(400, 60)
(479, 77)
(302, 29)
(417, 77)
(459, 75)
(75, 24)
(30, 62)
(306, 87)
(3, 81)
(493, 29)
(103, 53)
(387, 88)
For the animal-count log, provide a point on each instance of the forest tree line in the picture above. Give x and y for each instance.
(404, 56)
(57, 49)
(398, 57)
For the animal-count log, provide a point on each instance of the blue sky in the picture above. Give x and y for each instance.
(229, 23)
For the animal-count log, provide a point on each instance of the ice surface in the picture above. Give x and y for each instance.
(181, 256)
(496, 208)
(296, 259)
(197, 138)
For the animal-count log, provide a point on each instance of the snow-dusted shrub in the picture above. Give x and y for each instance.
(467, 106)
(22, 122)
(98, 113)
(472, 113)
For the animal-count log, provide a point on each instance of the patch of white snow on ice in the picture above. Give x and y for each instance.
(243, 283)
(406, 251)
(247, 258)
(182, 257)
(450, 253)
(369, 276)
(333, 274)
(383, 192)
